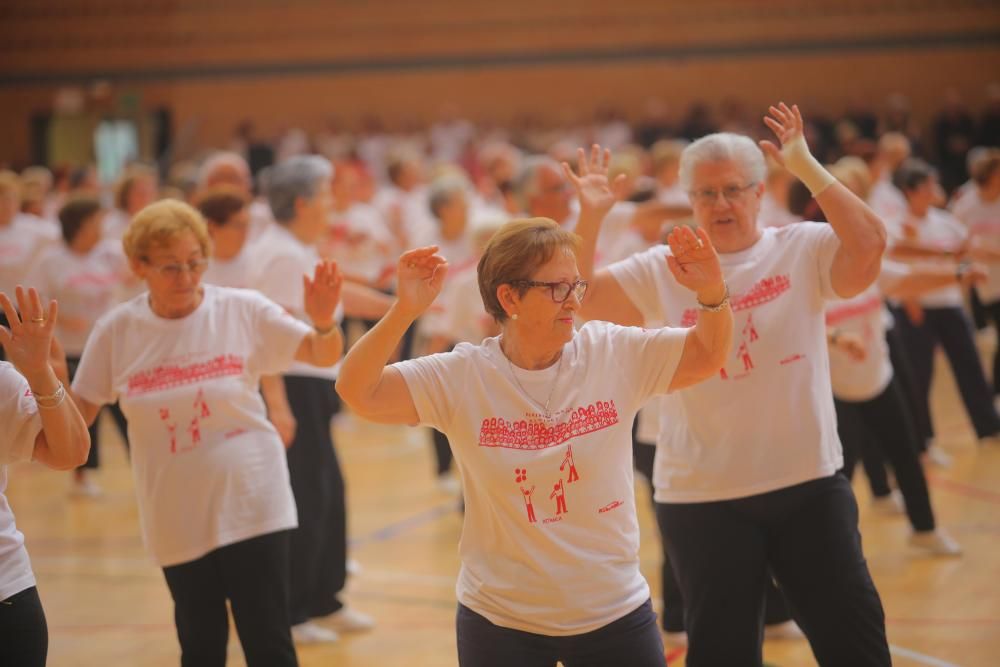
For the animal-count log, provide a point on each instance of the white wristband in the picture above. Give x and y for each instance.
(801, 163)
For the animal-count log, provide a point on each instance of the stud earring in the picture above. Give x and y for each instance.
(514, 316)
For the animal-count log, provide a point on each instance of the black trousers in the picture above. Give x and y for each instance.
(672, 617)
(632, 640)
(992, 310)
(93, 458)
(882, 423)
(902, 369)
(807, 535)
(253, 576)
(24, 634)
(951, 328)
(319, 545)
(442, 452)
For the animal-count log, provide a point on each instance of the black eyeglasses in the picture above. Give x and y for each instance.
(560, 290)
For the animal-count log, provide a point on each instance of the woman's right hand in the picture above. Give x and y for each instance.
(419, 278)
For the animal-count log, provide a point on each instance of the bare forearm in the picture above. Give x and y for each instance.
(364, 302)
(325, 349)
(587, 228)
(923, 280)
(272, 387)
(714, 329)
(860, 230)
(363, 367)
(66, 439)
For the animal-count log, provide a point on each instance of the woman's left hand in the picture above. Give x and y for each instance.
(322, 294)
(28, 343)
(693, 259)
(597, 193)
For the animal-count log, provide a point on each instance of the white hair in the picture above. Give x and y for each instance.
(222, 159)
(721, 147)
(296, 178)
(526, 182)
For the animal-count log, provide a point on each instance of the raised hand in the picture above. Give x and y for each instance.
(596, 193)
(28, 342)
(420, 275)
(787, 125)
(322, 293)
(693, 260)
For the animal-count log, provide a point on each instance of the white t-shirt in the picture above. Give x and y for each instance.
(115, 223)
(21, 425)
(49, 228)
(209, 468)
(887, 201)
(773, 214)
(279, 261)
(982, 220)
(233, 272)
(20, 246)
(358, 240)
(84, 285)
(863, 315)
(550, 543)
(463, 318)
(938, 229)
(767, 421)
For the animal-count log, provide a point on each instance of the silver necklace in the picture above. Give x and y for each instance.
(555, 381)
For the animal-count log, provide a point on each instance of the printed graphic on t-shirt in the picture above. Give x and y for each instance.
(765, 291)
(175, 375)
(534, 433)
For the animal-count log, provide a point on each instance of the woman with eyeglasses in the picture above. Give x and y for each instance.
(540, 420)
(746, 464)
(184, 359)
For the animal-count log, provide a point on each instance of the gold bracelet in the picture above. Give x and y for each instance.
(327, 331)
(53, 400)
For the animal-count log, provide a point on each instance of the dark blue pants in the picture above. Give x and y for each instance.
(632, 640)
(807, 536)
(253, 576)
(24, 634)
(951, 328)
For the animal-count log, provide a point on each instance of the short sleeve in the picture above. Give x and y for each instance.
(93, 381)
(432, 382)
(638, 275)
(281, 282)
(19, 415)
(277, 334)
(824, 245)
(650, 355)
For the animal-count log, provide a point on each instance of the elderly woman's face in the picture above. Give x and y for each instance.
(538, 314)
(173, 271)
(726, 203)
(313, 215)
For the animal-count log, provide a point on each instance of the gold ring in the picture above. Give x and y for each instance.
(40, 320)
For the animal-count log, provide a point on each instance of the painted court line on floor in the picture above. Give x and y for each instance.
(922, 658)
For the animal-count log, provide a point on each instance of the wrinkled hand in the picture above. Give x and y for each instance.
(693, 259)
(852, 344)
(322, 293)
(419, 278)
(787, 125)
(28, 343)
(284, 422)
(596, 193)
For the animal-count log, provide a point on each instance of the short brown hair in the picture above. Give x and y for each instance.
(127, 181)
(161, 222)
(75, 212)
(514, 253)
(221, 203)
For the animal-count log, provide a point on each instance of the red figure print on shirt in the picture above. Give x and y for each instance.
(171, 429)
(568, 459)
(527, 502)
(723, 374)
(194, 428)
(201, 405)
(744, 354)
(749, 330)
(559, 493)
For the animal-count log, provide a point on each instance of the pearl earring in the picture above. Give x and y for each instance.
(514, 316)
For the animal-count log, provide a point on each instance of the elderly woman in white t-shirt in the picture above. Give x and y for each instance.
(215, 504)
(539, 419)
(938, 317)
(746, 466)
(39, 423)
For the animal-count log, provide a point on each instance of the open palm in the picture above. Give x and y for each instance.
(420, 276)
(597, 194)
(28, 343)
(693, 259)
(322, 293)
